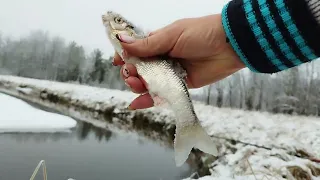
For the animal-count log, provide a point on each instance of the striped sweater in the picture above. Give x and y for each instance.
(273, 35)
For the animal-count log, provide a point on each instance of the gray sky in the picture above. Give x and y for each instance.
(81, 20)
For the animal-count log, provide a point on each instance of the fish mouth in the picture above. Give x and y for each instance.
(105, 19)
(113, 28)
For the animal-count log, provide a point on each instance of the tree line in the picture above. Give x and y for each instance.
(294, 91)
(38, 55)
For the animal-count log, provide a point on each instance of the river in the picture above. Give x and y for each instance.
(88, 152)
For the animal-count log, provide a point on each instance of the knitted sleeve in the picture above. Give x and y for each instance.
(273, 35)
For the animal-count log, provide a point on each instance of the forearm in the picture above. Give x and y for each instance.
(273, 35)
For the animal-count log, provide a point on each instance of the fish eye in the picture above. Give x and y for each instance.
(118, 20)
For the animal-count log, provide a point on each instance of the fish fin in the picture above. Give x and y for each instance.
(204, 141)
(189, 136)
(181, 72)
(158, 101)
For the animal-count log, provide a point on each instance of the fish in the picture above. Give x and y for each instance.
(165, 81)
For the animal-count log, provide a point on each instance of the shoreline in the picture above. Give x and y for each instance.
(232, 136)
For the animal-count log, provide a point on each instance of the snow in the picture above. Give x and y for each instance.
(93, 97)
(264, 129)
(24, 90)
(269, 142)
(18, 116)
(259, 164)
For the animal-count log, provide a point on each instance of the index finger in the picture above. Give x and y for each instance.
(158, 42)
(117, 60)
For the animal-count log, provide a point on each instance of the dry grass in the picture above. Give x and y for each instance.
(293, 173)
(314, 170)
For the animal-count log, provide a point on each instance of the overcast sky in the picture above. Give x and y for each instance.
(80, 20)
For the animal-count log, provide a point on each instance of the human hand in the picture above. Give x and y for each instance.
(201, 45)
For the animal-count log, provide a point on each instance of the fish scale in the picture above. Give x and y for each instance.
(165, 81)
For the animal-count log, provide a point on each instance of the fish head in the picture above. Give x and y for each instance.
(117, 24)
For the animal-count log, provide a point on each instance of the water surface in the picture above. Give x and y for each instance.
(88, 153)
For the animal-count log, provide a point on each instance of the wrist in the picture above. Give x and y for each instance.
(227, 52)
(268, 41)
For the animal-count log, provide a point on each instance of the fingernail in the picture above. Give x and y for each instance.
(126, 83)
(125, 38)
(130, 108)
(125, 71)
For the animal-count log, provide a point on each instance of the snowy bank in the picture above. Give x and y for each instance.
(18, 116)
(273, 143)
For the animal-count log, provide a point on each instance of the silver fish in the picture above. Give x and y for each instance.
(166, 84)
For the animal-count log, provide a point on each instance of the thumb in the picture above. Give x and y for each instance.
(156, 44)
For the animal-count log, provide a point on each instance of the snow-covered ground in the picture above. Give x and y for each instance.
(18, 116)
(249, 142)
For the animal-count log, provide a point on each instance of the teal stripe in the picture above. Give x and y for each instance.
(292, 28)
(233, 42)
(274, 31)
(254, 25)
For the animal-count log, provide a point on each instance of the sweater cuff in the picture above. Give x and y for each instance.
(272, 36)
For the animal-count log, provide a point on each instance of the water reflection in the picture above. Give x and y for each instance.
(37, 137)
(82, 131)
(88, 152)
(100, 133)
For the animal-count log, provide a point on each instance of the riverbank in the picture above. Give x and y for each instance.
(272, 143)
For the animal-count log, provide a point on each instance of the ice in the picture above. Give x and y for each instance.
(18, 116)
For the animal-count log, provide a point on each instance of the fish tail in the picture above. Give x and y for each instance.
(189, 136)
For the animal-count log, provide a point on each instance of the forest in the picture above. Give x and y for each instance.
(42, 56)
